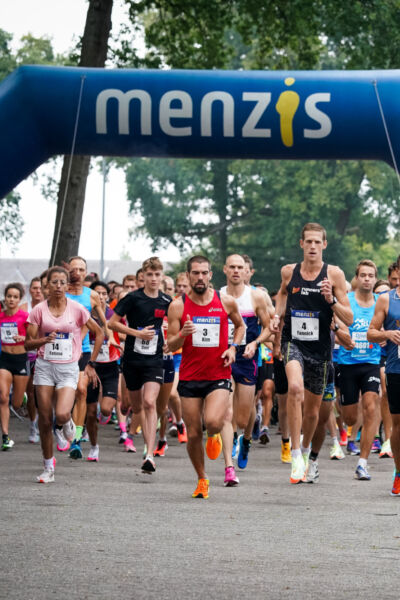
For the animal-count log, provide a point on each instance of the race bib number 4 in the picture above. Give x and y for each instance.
(147, 347)
(231, 331)
(305, 325)
(8, 331)
(59, 349)
(207, 332)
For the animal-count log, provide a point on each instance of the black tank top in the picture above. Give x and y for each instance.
(308, 316)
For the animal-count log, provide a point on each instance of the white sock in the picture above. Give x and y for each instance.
(296, 453)
(305, 450)
(49, 463)
(362, 462)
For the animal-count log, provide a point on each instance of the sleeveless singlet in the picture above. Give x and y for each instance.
(392, 321)
(246, 309)
(201, 352)
(364, 352)
(84, 300)
(308, 316)
(11, 325)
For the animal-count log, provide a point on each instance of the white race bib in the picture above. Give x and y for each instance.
(207, 332)
(305, 325)
(8, 331)
(60, 348)
(231, 330)
(148, 347)
(104, 353)
(361, 342)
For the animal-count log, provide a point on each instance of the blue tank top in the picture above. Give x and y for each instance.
(392, 321)
(364, 351)
(83, 299)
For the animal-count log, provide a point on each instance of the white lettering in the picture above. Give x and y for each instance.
(262, 100)
(227, 112)
(124, 100)
(318, 116)
(167, 113)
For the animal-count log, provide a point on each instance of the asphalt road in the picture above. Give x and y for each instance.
(106, 531)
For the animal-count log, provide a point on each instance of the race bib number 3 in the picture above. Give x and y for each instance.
(305, 325)
(148, 347)
(207, 332)
(59, 349)
(8, 331)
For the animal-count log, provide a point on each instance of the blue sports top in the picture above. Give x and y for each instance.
(392, 321)
(83, 299)
(364, 351)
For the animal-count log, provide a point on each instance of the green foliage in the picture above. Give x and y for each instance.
(11, 222)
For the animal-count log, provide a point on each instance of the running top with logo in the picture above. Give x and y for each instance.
(66, 347)
(108, 353)
(308, 316)
(84, 300)
(142, 311)
(392, 322)
(12, 325)
(246, 309)
(364, 351)
(202, 351)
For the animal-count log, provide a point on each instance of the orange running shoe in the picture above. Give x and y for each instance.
(202, 489)
(161, 449)
(395, 489)
(182, 433)
(213, 446)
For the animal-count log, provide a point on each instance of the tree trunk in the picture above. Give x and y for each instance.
(93, 54)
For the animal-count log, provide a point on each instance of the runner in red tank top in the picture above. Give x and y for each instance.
(198, 323)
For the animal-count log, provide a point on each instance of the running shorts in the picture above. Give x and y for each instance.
(16, 364)
(108, 373)
(363, 377)
(201, 389)
(315, 372)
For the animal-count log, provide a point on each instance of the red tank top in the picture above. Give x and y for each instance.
(201, 352)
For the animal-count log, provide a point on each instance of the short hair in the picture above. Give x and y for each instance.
(33, 281)
(57, 269)
(381, 282)
(128, 278)
(366, 263)
(248, 260)
(115, 284)
(153, 264)
(43, 276)
(313, 227)
(92, 277)
(164, 283)
(181, 275)
(138, 272)
(394, 266)
(198, 258)
(98, 283)
(15, 286)
(76, 258)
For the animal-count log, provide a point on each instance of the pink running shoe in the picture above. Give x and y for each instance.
(230, 477)
(129, 446)
(104, 420)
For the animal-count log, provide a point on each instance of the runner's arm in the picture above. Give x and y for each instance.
(261, 309)
(232, 309)
(147, 333)
(99, 337)
(281, 298)
(375, 332)
(336, 288)
(32, 342)
(175, 334)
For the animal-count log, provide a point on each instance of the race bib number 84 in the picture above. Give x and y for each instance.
(305, 325)
(207, 332)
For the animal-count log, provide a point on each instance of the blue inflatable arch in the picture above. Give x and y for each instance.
(215, 114)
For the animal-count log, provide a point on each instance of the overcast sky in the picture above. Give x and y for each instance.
(61, 20)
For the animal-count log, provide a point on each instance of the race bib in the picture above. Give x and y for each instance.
(8, 331)
(207, 332)
(148, 347)
(104, 353)
(60, 348)
(305, 325)
(231, 330)
(361, 342)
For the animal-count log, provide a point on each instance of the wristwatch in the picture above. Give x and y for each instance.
(236, 346)
(333, 302)
(90, 363)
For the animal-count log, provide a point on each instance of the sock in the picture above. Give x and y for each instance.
(296, 453)
(305, 450)
(362, 462)
(334, 439)
(313, 455)
(163, 439)
(285, 440)
(122, 427)
(246, 442)
(130, 436)
(59, 427)
(180, 422)
(49, 463)
(79, 431)
(5, 437)
(235, 435)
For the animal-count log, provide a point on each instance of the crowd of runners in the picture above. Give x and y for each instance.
(161, 357)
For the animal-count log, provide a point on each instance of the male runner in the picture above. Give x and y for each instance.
(310, 293)
(143, 358)
(393, 275)
(198, 323)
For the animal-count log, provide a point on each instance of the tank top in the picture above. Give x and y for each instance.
(83, 299)
(107, 352)
(364, 351)
(392, 321)
(201, 352)
(246, 309)
(11, 325)
(308, 316)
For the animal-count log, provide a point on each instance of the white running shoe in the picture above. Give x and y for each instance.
(298, 473)
(33, 433)
(46, 477)
(69, 430)
(386, 450)
(62, 444)
(93, 455)
(336, 452)
(313, 473)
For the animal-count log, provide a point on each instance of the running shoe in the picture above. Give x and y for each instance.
(62, 444)
(46, 477)
(243, 455)
(182, 433)
(336, 452)
(69, 430)
(85, 436)
(376, 446)
(362, 474)
(173, 430)
(161, 449)
(7, 443)
(230, 477)
(93, 455)
(298, 473)
(129, 445)
(312, 473)
(148, 465)
(235, 448)
(75, 450)
(343, 438)
(213, 446)
(396, 486)
(386, 450)
(104, 420)
(202, 489)
(352, 448)
(33, 434)
(144, 454)
(264, 436)
(113, 417)
(122, 437)
(286, 456)
(306, 460)
(256, 428)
